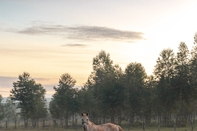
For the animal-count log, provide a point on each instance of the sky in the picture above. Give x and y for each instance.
(48, 38)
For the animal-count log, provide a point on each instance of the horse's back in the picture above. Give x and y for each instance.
(110, 127)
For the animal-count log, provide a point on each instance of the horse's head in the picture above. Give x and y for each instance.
(85, 120)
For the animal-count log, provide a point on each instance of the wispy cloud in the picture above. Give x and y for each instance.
(6, 81)
(74, 45)
(84, 33)
(6, 85)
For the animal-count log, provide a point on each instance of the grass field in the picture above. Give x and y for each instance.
(80, 129)
(134, 127)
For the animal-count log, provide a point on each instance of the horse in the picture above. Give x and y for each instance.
(87, 125)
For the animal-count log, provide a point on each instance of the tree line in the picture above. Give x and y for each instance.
(168, 96)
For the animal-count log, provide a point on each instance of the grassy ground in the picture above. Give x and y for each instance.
(80, 129)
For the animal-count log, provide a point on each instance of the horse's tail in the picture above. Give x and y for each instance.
(120, 128)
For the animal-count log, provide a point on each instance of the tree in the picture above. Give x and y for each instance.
(135, 77)
(28, 94)
(148, 98)
(40, 111)
(87, 98)
(99, 81)
(193, 69)
(193, 64)
(193, 82)
(183, 89)
(105, 84)
(164, 71)
(9, 111)
(54, 110)
(62, 103)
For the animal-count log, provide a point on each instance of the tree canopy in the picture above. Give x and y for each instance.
(30, 97)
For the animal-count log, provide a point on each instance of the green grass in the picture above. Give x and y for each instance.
(80, 129)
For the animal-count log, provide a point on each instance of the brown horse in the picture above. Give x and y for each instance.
(87, 125)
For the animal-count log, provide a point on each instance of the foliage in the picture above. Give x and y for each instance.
(164, 72)
(30, 97)
(106, 85)
(63, 103)
(9, 109)
(136, 92)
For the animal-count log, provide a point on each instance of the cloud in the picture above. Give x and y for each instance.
(41, 79)
(88, 33)
(6, 85)
(74, 45)
(7, 82)
(104, 33)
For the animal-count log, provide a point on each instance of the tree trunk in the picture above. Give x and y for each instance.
(25, 123)
(159, 122)
(61, 122)
(112, 119)
(37, 123)
(33, 121)
(73, 120)
(66, 121)
(174, 122)
(192, 117)
(99, 120)
(119, 119)
(104, 119)
(143, 123)
(6, 124)
(130, 120)
(15, 122)
(43, 123)
(54, 123)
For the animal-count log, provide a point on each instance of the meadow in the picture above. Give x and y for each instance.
(79, 128)
(155, 128)
(136, 126)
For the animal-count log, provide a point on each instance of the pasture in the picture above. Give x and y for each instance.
(80, 129)
(137, 126)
